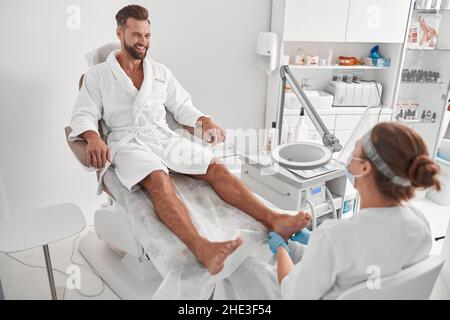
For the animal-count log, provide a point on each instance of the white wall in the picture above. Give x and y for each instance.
(41, 61)
(210, 47)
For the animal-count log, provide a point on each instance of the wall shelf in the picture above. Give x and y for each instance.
(430, 11)
(337, 67)
(428, 50)
(422, 82)
(413, 121)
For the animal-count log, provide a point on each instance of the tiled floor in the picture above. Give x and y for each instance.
(21, 282)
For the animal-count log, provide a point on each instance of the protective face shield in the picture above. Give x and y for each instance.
(372, 154)
(351, 177)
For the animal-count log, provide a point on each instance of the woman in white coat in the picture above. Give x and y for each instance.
(388, 164)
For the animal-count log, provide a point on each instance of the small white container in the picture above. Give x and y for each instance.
(312, 60)
(285, 60)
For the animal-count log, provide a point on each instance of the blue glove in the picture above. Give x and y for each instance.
(302, 236)
(275, 241)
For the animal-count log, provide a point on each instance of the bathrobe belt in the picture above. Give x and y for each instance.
(132, 132)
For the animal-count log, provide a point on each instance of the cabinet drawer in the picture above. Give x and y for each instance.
(328, 120)
(347, 122)
(291, 120)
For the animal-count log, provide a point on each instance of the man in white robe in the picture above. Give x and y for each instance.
(130, 93)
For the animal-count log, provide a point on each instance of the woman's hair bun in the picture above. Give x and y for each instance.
(423, 172)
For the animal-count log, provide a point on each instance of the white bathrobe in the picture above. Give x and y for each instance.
(138, 134)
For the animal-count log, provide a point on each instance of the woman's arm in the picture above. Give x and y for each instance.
(316, 273)
(284, 263)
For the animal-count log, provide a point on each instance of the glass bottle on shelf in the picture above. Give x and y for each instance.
(299, 57)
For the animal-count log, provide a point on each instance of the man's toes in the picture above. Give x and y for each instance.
(237, 242)
(233, 245)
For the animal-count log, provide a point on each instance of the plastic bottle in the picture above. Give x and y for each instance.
(268, 145)
(330, 58)
(299, 57)
(301, 130)
(290, 134)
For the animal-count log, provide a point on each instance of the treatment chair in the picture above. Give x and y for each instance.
(441, 290)
(111, 248)
(412, 283)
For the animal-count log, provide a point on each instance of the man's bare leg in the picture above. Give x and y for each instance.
(234, 192)
(174, 214)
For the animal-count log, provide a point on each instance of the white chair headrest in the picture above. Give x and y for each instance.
(100, 54)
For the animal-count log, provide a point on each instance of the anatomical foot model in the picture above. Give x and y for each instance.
(429, 35)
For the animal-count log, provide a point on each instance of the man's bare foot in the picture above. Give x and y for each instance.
(213, 254)
(286, 225)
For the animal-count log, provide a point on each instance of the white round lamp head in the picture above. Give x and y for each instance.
(301, 155)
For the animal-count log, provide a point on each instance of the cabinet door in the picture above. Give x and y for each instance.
(315, 20)
(377, 20)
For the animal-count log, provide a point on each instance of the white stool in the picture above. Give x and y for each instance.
(39, 228)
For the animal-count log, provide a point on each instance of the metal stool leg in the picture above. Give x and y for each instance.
(2, 295)
(51, 280)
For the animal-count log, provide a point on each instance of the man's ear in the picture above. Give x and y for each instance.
(119, 33)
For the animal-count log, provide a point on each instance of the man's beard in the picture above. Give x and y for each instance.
(134, 54)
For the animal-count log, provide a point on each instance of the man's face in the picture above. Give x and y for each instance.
(135, 37)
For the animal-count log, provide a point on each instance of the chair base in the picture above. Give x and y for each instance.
(128, 277)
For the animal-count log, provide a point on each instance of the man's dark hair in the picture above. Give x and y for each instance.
(131, 11)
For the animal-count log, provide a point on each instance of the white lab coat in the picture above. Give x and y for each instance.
(139, 137)
(343, 253)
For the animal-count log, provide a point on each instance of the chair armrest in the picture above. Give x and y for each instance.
(78, 147)
(189, 129)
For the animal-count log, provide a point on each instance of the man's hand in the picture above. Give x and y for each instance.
(97, 152)
(211, 132)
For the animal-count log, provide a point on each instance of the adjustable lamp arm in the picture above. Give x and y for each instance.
(329, 139)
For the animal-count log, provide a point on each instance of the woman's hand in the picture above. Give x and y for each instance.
(302, 236)
(275, 241)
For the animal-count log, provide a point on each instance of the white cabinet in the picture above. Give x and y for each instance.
(377, 21)
(315, 20)
(382, 21)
